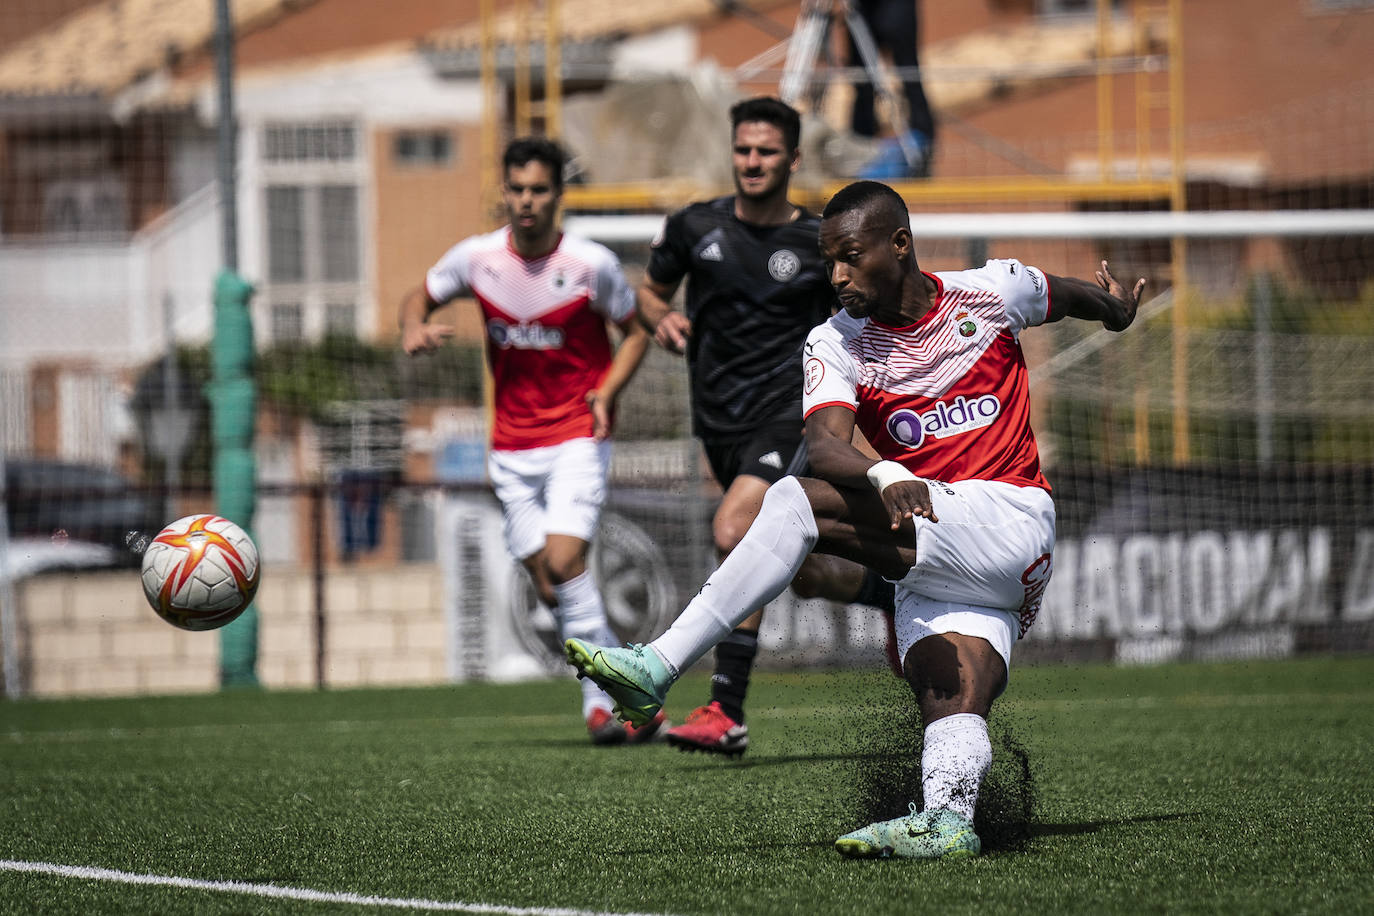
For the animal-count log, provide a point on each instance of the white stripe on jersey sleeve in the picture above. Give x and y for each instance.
(830, 374)
(448, 279)
(611, 293)
(1024, 290)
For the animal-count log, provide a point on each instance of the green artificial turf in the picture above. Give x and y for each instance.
(1238, 787)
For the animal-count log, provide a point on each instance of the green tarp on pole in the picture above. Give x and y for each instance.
(233, 410)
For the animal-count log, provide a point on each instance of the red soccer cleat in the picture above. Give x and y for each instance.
(605, 728)
(710, 730)
(652, 730)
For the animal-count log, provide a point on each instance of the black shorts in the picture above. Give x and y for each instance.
(770, 452)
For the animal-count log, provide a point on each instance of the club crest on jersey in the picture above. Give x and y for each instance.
(559, 280)
(958, 416)
(783, 265)
(966, 325)
(524, 336)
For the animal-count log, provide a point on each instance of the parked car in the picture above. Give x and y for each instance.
(64, 510)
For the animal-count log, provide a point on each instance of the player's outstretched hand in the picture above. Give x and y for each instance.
(423, 338)
(672, 332)
(1130, 303)
(600, 407)
(907, 499)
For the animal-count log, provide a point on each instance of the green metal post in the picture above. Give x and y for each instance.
(233, 398)
(233, 409)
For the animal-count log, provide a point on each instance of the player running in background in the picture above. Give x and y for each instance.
(957, 512)
(546, 298)
(755, 287)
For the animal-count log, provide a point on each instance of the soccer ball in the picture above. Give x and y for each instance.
(200, 572)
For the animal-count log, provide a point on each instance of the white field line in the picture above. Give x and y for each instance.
(89, 873)
(1011, 703)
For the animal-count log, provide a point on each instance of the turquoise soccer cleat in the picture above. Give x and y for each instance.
(635, 677)
(938, 834)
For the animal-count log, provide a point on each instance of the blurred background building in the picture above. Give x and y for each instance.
(1068, 131)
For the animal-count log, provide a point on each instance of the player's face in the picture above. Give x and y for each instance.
(763, 165)
(862, 264)
(531, 199)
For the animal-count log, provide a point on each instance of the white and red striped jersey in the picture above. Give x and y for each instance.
(546, 329)
(947, 396)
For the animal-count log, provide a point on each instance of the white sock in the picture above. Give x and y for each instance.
(955, 756)
(754, 573)
(582, 615)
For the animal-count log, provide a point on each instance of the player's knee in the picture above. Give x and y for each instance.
(810, 581)
(948, 681)
(728, 530)
(560, 569)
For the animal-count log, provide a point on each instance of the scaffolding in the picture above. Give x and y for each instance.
(1155, 69)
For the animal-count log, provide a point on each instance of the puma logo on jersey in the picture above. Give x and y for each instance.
(712, 252)
(772, 459)
(959, 416)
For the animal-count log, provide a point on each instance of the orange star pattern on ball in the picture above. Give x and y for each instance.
(196, 540)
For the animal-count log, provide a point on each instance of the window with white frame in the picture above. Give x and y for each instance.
(313, 175)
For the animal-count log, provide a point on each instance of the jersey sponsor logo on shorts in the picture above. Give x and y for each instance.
(524, 336)
(815, 371)
(772, 459)
(1036, 579)
(959, 416)
(783, 265)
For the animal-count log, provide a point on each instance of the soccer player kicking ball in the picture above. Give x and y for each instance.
(957, 512)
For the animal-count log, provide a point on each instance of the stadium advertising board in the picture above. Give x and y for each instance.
(1154, 564)
(1150, 565)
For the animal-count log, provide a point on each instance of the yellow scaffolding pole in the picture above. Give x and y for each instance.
(490, 152)
(553, 68)
(1178, 200)
(489, 169)
(522, 68)
(1104, 90)
(655, 195)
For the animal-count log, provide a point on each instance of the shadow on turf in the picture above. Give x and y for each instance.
(722, 764)
(1095, 826)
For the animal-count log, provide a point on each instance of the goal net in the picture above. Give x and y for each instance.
(1213, 467)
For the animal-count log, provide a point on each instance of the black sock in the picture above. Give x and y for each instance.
(877, 592)
(734, 658)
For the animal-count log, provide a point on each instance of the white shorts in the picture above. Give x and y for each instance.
(982, 569)
(554, 489)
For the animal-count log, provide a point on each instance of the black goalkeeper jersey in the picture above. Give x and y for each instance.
(753, 293)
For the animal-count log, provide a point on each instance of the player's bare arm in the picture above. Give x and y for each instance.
(669, 326)
(601, 400)
(1107, 301)
(833, 457)
(417, 334)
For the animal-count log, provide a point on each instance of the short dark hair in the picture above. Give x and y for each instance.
(871, 196)
(771, 111)
(524, 150)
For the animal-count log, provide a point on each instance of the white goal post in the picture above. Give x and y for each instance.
(1130, 225)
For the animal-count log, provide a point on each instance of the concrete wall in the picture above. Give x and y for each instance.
(93, 634)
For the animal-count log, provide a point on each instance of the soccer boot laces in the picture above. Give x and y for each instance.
(634, 677)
